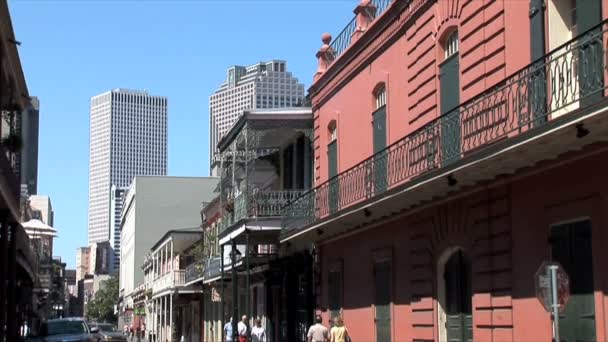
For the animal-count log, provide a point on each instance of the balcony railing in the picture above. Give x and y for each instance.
(214, 268)
(343, 39)
(568, 78)
(169, 280)
(195, 271)
(258, 204)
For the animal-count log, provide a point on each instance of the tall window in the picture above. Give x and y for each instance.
(451, 45)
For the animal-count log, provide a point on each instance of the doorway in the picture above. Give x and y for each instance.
(455, 296)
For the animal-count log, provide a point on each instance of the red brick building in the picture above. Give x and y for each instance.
(458, 144)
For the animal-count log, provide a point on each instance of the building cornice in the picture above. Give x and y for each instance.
(384, 31)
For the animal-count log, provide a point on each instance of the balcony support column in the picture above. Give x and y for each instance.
(11, 319)
(223, 318)
(172, 256)
(247, 285)
(171, 316)
(3, 268)
(235, 293)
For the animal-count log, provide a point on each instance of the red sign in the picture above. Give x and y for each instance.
(542, 281)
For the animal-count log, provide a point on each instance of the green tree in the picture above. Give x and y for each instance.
(101, 308)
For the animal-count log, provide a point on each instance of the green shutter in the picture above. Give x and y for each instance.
(591, 53)
(334, 195)
(380, 158)
(382, 300)
(538, 80)
(449, 74)
(571, 247)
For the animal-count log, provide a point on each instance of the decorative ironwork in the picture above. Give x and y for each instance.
(213, 268)
(259, 204)
(195, 271)
(568, 78)
(343, 39)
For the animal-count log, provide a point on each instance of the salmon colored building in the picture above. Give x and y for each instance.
(458, 144)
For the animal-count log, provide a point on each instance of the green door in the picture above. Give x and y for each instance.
(334, 194)
(382, 300)
(449, 75)
(335, 293)
(591, 53)
(458, 308)
(380, 158)
(571, 247)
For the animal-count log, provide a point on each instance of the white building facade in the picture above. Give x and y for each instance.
(262, 85)
(128, 137)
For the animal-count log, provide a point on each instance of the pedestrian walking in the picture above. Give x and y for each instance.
(258, 333)
(243, 329)
(338, 332)
(228, 331)
(318, 332)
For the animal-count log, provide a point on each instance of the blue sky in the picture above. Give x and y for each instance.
(72, 50)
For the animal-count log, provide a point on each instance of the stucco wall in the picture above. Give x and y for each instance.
(505, 230)
(163, 204)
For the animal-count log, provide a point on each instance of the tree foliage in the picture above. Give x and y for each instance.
(101, 308)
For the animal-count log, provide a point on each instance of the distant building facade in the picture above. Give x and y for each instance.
(153, 206)
(262, 85)
(128, 137)
(42, 209)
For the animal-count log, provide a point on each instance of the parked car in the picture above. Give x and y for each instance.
(66, 330)
(108, 332)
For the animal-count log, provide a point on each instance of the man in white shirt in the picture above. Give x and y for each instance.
(242, 329)
(318, 332)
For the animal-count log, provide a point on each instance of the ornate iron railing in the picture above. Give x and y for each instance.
(568, 78)
(195, 271)
(258, 204)
(343, 39)
(213, 268)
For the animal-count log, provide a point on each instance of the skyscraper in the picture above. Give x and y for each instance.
(262, 85)
(128, 137)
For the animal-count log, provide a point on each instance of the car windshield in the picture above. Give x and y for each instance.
(64, 328)
(106, 327)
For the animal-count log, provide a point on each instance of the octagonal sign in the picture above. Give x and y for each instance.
(542, 280)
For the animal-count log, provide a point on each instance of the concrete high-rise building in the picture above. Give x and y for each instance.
(116, 200)
(42, 209)
(262, 85)
(128, 137)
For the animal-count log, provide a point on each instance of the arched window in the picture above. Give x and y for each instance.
(333, 131)
(380, 95)
(451, 44)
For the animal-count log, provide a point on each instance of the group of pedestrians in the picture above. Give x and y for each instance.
(257, 333)
(317, 332)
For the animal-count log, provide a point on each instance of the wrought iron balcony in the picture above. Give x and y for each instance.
(343, 39)
(568, 79)
(257, 204)
(195, 271)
